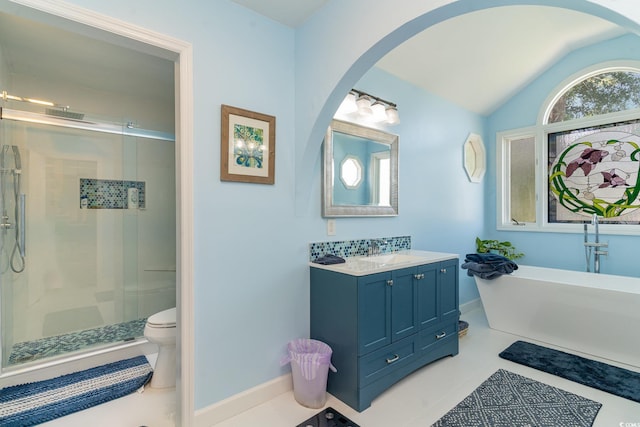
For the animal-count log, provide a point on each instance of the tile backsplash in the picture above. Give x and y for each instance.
(349, 248)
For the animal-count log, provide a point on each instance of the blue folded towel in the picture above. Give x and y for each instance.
(329, 259)
(488, 266)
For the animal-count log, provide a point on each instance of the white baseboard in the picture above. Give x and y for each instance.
(262, 393)
(470, 306)
(244, 401)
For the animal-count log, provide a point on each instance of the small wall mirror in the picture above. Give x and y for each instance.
(475, 163)
(360, 171)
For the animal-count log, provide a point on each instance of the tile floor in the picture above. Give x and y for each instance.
(418, 400)
(151, 408)
(423, 397)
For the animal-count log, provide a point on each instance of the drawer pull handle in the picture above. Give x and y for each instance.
(393, 359)
(419, 276)
(390, 282)
(443, 270)
(441, 335)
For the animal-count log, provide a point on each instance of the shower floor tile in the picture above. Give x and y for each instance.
(60, 344)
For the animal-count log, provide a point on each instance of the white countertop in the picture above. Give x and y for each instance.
(363, 265)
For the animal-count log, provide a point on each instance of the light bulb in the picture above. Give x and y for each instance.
(379, 113)
(392, 115)
(364, 105)
(348, 104)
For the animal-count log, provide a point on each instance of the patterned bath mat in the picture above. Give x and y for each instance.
(34, 403)
(511, 400)
(605, 377)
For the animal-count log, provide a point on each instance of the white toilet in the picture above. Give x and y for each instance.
(161, 329)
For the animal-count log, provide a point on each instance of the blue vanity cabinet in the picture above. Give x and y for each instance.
(438, 302)
(378, 325)
(438, 293)
(373, 298)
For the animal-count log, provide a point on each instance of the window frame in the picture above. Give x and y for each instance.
(375, 162)
(540, 133)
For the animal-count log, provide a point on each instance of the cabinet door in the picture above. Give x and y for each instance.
(427, 283)
(448, 275)
(374, 306)
(404, 303)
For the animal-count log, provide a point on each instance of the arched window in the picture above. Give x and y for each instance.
(583, 159)
(602, 93)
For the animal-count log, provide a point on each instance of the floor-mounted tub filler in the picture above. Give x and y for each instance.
(596, 314)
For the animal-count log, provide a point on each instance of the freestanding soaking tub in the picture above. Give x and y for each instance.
(596, 314)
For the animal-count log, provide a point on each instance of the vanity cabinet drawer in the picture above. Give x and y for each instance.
(385, 360)
(431, 337)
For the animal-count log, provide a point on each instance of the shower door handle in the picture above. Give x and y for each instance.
(22, 224)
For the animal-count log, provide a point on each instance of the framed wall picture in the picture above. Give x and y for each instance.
(248, 146)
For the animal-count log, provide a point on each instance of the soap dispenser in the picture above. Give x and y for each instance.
(132, 198)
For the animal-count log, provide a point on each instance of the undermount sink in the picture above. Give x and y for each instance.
(391, 259)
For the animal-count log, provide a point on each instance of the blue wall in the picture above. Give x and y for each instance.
(251, 243)
(559, 250)
(438, 206)
(250, 268)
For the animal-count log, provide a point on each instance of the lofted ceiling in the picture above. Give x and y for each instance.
(477, 60)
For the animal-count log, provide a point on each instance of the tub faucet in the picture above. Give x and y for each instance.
(595, 246)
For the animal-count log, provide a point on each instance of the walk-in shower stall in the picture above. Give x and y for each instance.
(87, 233)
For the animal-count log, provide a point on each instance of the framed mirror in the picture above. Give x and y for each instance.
(360, 171)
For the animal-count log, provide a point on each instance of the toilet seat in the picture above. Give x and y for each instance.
(163, 319)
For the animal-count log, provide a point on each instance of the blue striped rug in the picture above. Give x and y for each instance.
(34, 403)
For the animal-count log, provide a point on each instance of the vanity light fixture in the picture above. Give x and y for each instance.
(369, 108)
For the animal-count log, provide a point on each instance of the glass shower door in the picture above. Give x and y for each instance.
(11, 237)
(68, 298)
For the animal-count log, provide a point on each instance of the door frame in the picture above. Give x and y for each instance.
(181, 52)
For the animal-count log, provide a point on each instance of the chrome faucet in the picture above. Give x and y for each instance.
(374, 246)
(595, 246)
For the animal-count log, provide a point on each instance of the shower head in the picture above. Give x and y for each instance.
(16, 157)
(64, 113)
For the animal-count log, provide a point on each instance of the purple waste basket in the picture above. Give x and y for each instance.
(310, 363)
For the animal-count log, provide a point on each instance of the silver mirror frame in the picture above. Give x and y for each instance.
(329, 210)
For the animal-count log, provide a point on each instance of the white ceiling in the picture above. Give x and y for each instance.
(481, 59)
(478, 60)
(292, 13)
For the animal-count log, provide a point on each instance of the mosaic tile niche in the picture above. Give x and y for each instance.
(109, 193)
(349, 248)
